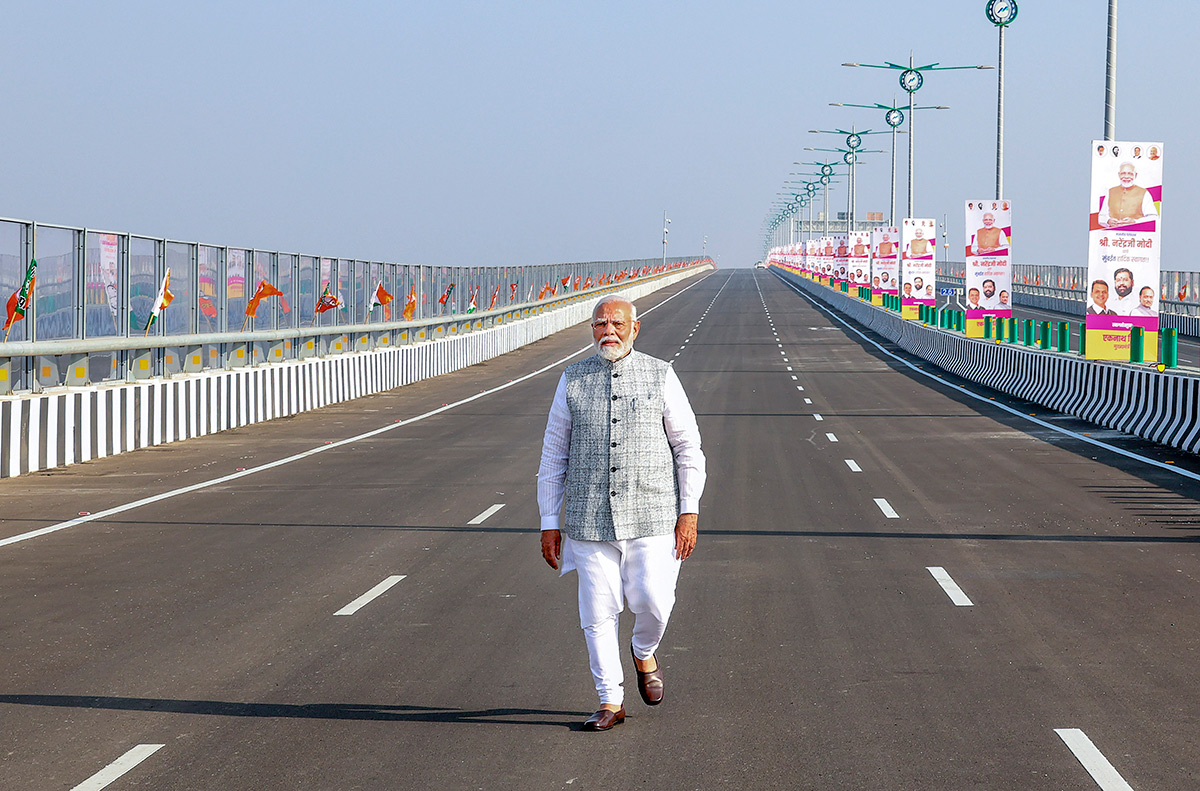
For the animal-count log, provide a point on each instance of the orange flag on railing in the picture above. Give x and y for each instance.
(410, 307)
(265, 290)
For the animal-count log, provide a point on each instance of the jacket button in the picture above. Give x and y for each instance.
(614, 420)
(614, 398)
(614, 494)
(614, 444)
(614, 469)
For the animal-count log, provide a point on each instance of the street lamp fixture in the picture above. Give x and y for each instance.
(912, 77)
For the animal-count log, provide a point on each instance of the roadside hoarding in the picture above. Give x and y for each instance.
(988, 280)
(918, 274)
(885, 263)
(1123, 242)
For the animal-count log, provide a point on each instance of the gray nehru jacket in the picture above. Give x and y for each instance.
(622, 451)
(620, 472)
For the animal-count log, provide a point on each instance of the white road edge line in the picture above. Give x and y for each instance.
(1015, 412)
(479, 519)
(321, 449)
(949, 586)
(371, 595)
(1105, 775)
(886, 507)
(118, 767)
(853, 465)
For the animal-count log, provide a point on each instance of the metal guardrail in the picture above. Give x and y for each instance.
(94, 291)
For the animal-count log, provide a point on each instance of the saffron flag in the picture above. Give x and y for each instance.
(449, 290)
(264, 290)
(513, 295)
(207, 307)
(565, 280)
(577, 279)
(471, 306)
(328, 301)
(1183, 292)
(19, 301)
(495, 294)
(410, 307)
(162, 300)
(381, 297)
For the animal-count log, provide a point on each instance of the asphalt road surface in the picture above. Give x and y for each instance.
(900, 584)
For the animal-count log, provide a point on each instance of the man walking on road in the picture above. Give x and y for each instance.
(622, 451)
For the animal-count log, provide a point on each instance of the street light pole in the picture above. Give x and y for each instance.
(911, 79)
(666, 222)
(1000, 13)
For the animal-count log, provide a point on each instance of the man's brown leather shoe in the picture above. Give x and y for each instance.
(604, 719)
(650, 685)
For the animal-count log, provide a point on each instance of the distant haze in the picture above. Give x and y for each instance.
(535, 132)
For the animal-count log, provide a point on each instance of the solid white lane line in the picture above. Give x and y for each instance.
(1105, 775)
(479, 519)
(1015, 412)
(371, 595)
(817, 415)
(853, 465)
(949, 585)
(831, 437)
(118, 767)
(887, 509)
(320, 449)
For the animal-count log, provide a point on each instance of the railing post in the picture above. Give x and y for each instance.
(1137, 345)
(1082, 339)
(1045, 335)
(1064, 336)
(987, 327)
(1028, 332)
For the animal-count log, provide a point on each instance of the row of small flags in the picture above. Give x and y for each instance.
(18, 303)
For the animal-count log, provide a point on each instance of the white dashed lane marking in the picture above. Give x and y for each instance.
(887, 509)
(491, 510)
(831, 437)
(110, 773)
(1103, 772)
(370, 596)
(808, 400)
(949, 586)
(853, 465)
(816, 415)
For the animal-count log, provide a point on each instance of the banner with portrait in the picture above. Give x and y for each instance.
(918, 273)
(825, 259)
(885, 263)
(841, 259)
(1123, 241)
(108, 272)
(858, 269)
(988, 282)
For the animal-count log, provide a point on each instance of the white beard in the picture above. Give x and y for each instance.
(612, 353)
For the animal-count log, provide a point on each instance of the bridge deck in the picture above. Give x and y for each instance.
(812, 646)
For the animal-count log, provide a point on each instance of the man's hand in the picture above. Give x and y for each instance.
(552, 546)
(685, 535)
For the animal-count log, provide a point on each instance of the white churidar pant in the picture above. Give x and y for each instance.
(640, 571)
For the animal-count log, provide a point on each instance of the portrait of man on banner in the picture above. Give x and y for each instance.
(1123, 250)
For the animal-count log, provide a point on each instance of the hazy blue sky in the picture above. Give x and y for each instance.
(537, 132)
